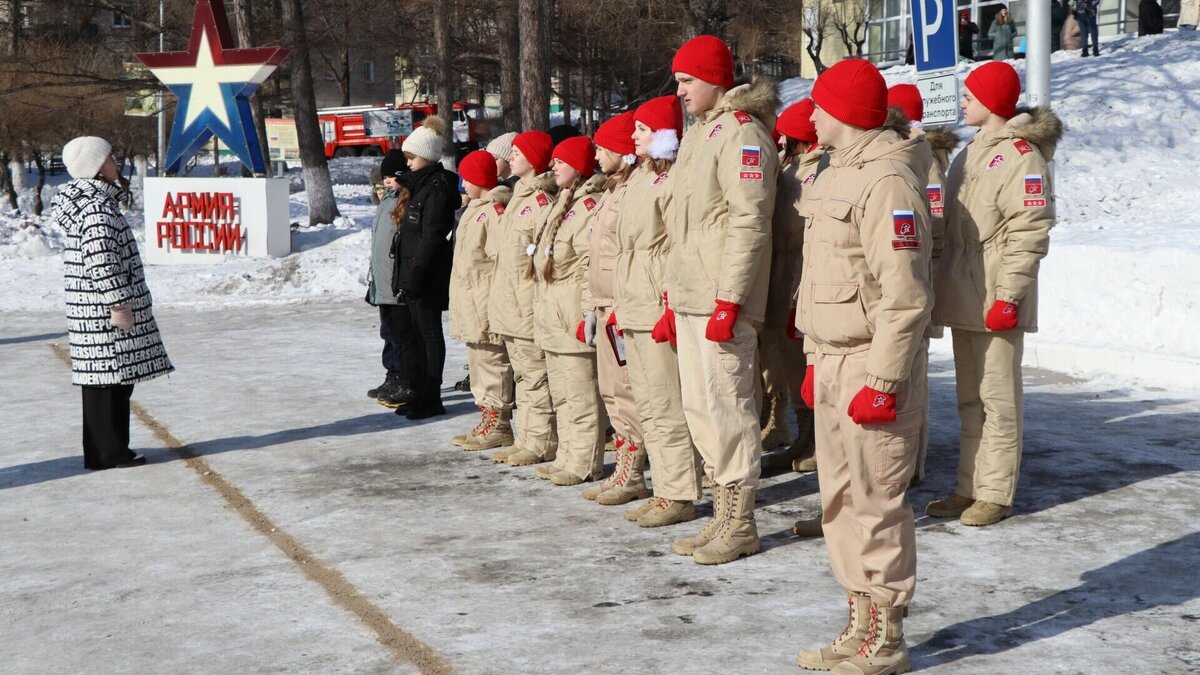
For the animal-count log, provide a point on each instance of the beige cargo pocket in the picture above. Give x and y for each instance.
(896, 448)
(838, 316)
(735, 367)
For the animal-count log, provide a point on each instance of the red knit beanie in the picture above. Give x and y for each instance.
(795, 122)
(997, 86)
(616, 134)
(536, 146)
(661, 113)
(579, 153)
(907, 98)
(706, 57)
(853, 92)
(479, 168)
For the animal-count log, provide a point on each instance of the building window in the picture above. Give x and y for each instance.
(369, 72)
(121, 21)
(889, 33)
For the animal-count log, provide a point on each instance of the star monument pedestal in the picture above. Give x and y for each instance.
(194, 219)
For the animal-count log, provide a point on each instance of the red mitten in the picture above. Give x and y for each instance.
(793, 333)
(612, 321)
(720, 324)
(807, 393)
(664, 330)
(579, 332)
(872, 407)
(1001, 317)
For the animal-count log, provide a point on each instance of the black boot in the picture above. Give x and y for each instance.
(391, 380)
(1095, 50)
(399, 395)
(428, 403)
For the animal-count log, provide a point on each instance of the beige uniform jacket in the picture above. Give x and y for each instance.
(510, 306)
(603, 244)
(999, 211)
(474, 267)
(787, 237)
(865, 285)
(723, 195)
(558, 305)
(643, 248)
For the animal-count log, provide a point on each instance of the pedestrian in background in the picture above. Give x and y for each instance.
(1069, 37)
(397, 388)
(1150, 18)
(966, 32)
(115, 341)
(1003, 34)
(1058, 16)
(1085, 12)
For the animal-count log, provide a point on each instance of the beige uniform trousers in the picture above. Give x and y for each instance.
(990, 401)
(613, 379)
(783, 364)
(717, 381)
(654, 376)
(864, 473)
(923, 442)
(491, 375)
(535, 413)
(579, 413)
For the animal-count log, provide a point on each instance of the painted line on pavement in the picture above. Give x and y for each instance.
(401, 643)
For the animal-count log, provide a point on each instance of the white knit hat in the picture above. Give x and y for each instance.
(85, 155)
(426, 140)
(501, 146)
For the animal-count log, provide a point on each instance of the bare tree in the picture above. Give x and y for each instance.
(445, 97)
(814, 24)
(850, 19)
(322, 206)
(508, 35)
(535, 76)
(707, 17)
(245, 37)
(14, 27)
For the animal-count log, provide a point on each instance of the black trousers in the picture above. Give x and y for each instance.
(417, 329)
(106, 426)
(391, 355)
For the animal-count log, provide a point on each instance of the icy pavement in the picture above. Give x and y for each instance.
(159, 570)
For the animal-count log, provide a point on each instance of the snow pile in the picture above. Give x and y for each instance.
(1120, 289)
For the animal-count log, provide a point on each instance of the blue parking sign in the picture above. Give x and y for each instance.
(935, 34)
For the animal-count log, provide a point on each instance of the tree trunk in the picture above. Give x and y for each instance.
(242, 11)
(322, 207)
(535, 89)
(37, 192)
(6, 182)
(14, 27)
(510, 65)
(445, 100)
(708, 17)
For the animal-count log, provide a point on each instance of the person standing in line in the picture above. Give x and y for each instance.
(999, 211)
(653, 367)
(559, 268)
(424, 217)
(1089, 27)
(490, 373)
(500, 148)
(114, 338)
(510, 305)
(396, 390)
(718, 271)
(864, 303)
(780, 346)
(1003, 34)
(615, 155)
(905, 111)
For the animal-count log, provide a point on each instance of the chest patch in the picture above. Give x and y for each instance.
(589, 204)
(1033, 185)
(904, 223)
(715, 132)
(1023, 146)
(525, 211)
(742, 117)
(499, 209)
(660, 179)
(812, 178)
(996, 162)
(751, 155)
(570, 215)
(481, 217)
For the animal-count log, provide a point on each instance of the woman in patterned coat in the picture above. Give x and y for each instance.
(114, 339)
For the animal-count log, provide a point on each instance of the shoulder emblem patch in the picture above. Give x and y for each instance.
(933, 194)
(499, 209)
(750, 175)
(715, 131)
(589, 203)
(751, 155)
(542, 199)
(1023, 146)
(742, 117)
(1033, 185)
(996, 162)
(904, 223)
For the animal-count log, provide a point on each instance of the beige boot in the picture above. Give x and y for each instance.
(501, 456)
(632, 515)
(688, 545)
(950, 507)
(664, 512)
(738, 535)
(545, 471)
(858, 629)
(463, 438)
(809, 527)
(775, 430)
(631, 483)
(985, 513)
(567, 478)
(884, 652)
(496, 432)
(526, 457)
(806, 442)
(596, 490)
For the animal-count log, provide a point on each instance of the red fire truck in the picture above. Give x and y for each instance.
(345, 131)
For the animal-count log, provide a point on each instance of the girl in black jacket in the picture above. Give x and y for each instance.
(424, 217)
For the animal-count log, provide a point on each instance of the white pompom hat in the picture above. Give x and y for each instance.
(426, 140)
(85, 155)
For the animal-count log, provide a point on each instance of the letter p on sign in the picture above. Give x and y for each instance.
(937, 31)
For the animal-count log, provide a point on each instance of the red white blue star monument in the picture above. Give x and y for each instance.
(213, 84)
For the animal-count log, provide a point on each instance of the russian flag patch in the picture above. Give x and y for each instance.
(1033, 184)
(751, 155)
(905, 225)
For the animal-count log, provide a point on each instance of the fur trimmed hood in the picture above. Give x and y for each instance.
(1040, 126)
(942, 139)
(545, 183)
(759, 97)
(501, 193)
(593, 185)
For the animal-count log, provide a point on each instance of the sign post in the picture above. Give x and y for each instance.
(935, 52)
